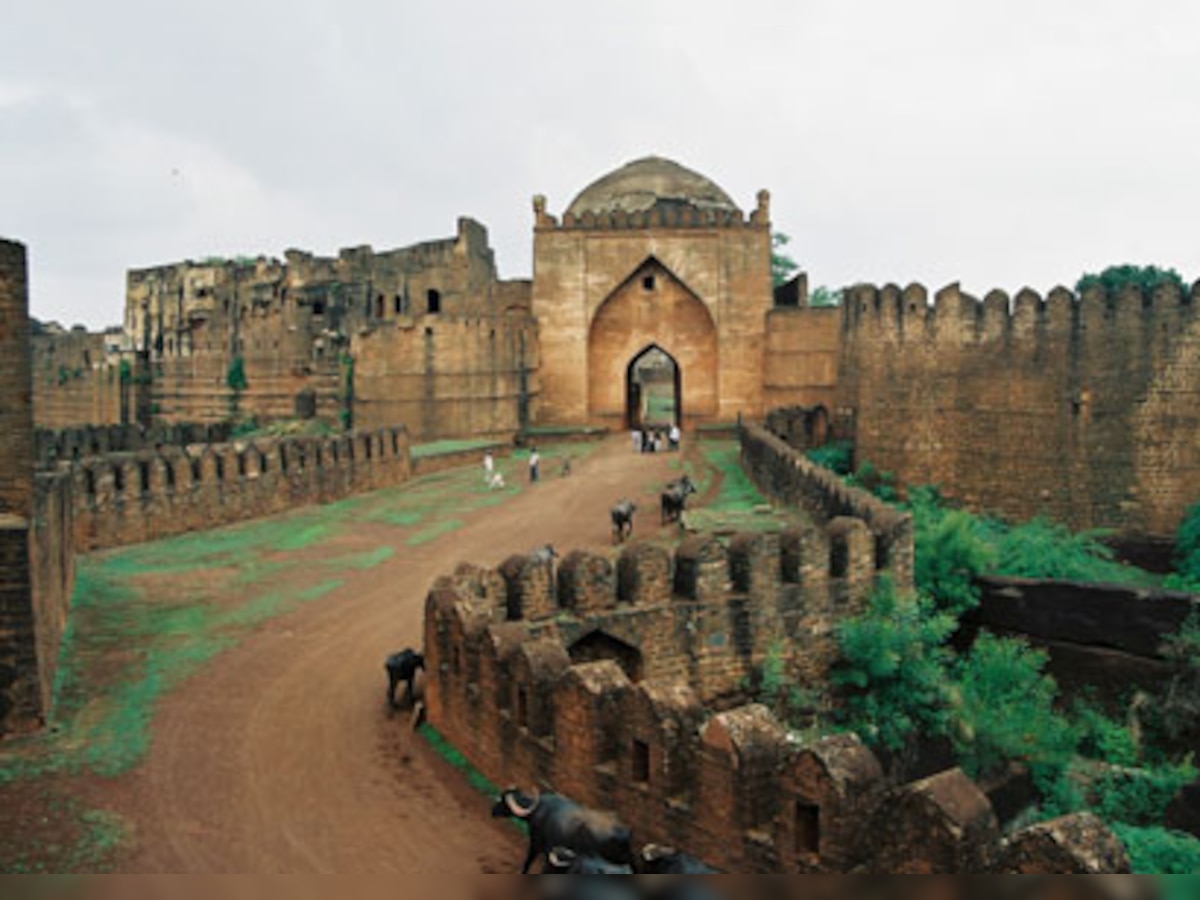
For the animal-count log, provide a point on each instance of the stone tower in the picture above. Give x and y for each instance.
(20, 695)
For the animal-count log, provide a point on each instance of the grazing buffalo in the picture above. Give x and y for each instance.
(400, 667)
(554, 821)
(622, 519)
(656, 860)
(674, 499)
(561, 861)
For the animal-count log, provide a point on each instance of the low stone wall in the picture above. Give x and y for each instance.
(787, 476)
(129, 498)
(608, 683)
(74, 444)
(1098, 635)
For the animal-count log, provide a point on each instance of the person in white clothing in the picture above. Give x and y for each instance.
(489, 467)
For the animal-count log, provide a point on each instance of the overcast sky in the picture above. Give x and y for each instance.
(1002, 144)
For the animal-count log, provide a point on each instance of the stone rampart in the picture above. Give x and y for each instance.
(1077, 407)
(624, 685)
(787, 476)
(128, 498)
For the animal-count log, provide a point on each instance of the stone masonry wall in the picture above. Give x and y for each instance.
(787, 476)
(35, 572)
(74, 384)
(606, 683)
(1080, 408)
(128, 498)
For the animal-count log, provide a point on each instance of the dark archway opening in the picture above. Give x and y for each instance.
(654, 390)
(598, 646)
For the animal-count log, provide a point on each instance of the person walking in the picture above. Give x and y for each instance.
(489, 468)
(535, 459)
(675, 436)
(636, 434)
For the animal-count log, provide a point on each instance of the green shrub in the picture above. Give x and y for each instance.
(950, 551)
(881, 484)
(1157, 851)
(836, 457)
(896, 669)
(1102, 738)
(1176, 711)
(1005, 711)
(235, 378)
(1138, 796)
(1187, 546)
(1044, 549)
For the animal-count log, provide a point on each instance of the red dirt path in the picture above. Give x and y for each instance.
(281, 756)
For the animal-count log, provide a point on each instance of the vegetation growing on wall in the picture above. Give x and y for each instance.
(1116, 279)
(235, 380)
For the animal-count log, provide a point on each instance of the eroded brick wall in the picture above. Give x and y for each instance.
(1078, 408)
(75, 384)
(610, 684)
(787, 476)
(128, 498)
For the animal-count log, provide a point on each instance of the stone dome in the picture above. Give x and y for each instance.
(645, 183)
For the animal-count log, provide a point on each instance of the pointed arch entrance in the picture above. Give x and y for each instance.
(652, 316)
(653, 390)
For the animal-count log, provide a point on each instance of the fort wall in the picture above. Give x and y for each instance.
(36, 569)
(75, 382)
(786, 476)
(624, 687)
(129, 498)
(1079, 408)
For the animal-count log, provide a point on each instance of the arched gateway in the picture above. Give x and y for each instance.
(651, 257)
(651, 311)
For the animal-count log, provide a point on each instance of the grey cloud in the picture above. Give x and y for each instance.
(1002, 144)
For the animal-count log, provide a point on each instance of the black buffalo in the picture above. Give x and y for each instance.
(561, 861)
(656, 860)
(622, 520)
(402, 666)
(554, 821)
(674, 499)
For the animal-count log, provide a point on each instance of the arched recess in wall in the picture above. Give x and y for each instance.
(652, 307)
(597, 646)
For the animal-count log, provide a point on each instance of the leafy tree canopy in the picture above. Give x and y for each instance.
(783, 267)
(1116, 279)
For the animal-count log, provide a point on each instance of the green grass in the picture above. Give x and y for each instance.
(738, 506)
(442, 448)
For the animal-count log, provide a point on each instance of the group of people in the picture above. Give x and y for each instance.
(655, 441)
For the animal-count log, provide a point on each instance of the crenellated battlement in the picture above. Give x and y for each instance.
(124, 498)
(951, 315)
(627, 683)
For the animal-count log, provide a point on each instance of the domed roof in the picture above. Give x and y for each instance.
(640, 185)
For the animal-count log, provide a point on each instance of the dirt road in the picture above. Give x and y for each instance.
(281, 756)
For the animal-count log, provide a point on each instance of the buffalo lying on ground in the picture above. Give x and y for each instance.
(561, 861)
(554, 821)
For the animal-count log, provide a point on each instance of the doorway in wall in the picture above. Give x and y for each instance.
(653, 390)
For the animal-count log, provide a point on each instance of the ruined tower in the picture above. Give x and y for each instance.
(20, 696)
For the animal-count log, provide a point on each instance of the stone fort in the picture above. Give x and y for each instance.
(620, 679)
(1083, 408)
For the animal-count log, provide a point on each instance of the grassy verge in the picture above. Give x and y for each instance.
(738, 505)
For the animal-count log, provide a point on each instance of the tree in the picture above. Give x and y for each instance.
(782, 265)
(1115, 279)
(824, 297)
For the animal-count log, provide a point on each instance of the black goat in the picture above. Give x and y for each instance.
(657, 860)
(402, 666)
(674, 499)
(622, 519)
(555, 821)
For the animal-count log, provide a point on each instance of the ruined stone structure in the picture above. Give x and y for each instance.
(36, 567)
(78, 378)
(625, 686)
(1078, 408)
